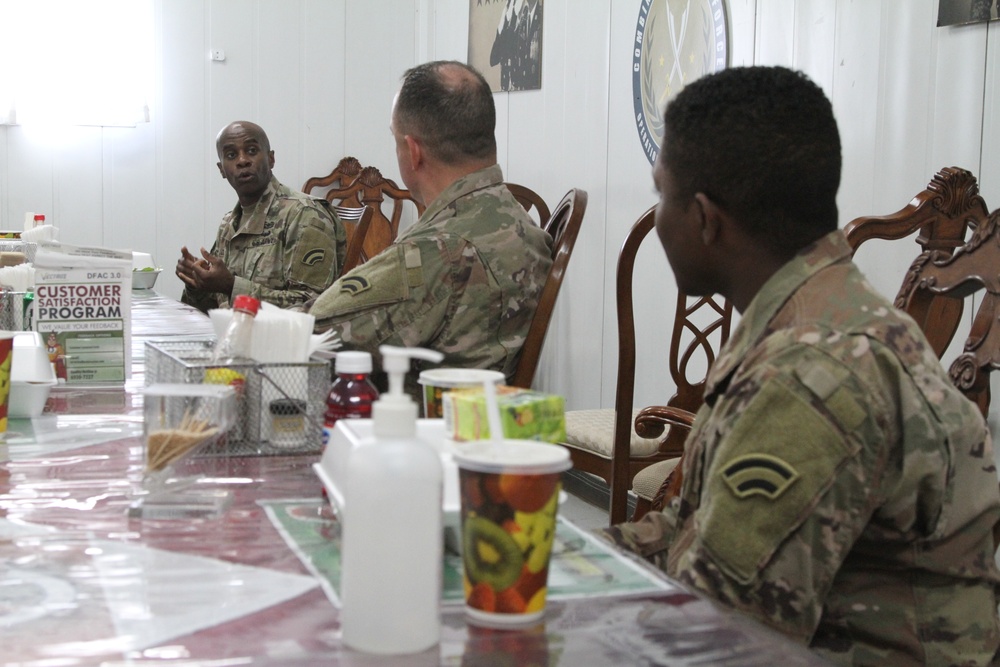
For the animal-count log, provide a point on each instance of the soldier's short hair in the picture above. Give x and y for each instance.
(449, 107)
(761, 142)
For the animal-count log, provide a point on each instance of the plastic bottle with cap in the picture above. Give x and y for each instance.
(352, 393)
(392, 526)
(39, 220)
(235, 341)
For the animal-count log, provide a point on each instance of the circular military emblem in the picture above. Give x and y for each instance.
(676, 41)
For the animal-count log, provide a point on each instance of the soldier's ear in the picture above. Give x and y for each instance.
(415, 150)
(711, 217)
(219, 165)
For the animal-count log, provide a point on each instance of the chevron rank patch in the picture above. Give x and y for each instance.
(354, 285)
(314, 257)
(759, 474)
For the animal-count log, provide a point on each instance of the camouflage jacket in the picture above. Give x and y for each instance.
(836, 486)
(464, 280)
(285, 250)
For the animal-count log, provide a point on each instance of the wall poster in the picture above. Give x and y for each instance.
(956, 12)
(505, 42)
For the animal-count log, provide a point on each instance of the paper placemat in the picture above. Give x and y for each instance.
(581, 566)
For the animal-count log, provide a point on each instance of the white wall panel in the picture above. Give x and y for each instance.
(324, 106)
(741, 16)
(556, 141)
(855, 101)
(381, 45)
(989, 163)
(630, 194)
(774, 37)
(129, 172)
(184, 134)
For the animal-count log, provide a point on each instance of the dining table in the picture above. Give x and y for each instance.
(244, 571)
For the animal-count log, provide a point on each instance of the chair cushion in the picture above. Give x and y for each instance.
(594, 431)
(648, 481)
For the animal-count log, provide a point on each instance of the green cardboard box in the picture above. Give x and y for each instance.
(525, 414)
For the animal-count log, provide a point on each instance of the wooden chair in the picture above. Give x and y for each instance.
(941, 274)
(563, 226)
(934, 288)
(343, 174)
(530, 199)
(940, 216)
(617, 444)
(372, 189)
(357, 220)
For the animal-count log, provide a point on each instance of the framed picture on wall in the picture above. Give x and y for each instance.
(957, 12)
(505, 42)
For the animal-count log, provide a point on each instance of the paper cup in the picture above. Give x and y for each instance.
(438, 380)
(6, 357)
(510, 496)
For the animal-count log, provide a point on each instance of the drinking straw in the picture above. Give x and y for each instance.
(493, 411)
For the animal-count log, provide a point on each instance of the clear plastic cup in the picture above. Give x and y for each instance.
(436, 381)
(510, 497)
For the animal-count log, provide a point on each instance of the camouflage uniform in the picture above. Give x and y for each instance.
(463, 280)
(285, 250)
(836, 486)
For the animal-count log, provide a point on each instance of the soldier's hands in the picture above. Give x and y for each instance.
(185, 267)
(209, 273)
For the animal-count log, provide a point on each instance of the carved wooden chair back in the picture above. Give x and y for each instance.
(343, 174)
(654, 434)
(564, 227)
(387, 201)
(940, 215)
(357, 221)
(530, 200)
(940, 274)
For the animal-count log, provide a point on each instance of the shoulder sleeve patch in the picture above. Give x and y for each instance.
(314, 256)
(759, 474)
(314, 261)
(768, 472)
(375, 284)
(354, 285)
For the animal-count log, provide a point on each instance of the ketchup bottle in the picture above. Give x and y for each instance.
(352, 393)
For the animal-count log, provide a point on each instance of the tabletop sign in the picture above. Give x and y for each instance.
(82, 308)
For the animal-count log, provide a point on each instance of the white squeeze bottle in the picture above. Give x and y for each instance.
(392, 534)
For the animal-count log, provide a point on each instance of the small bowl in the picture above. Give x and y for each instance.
(144, 279)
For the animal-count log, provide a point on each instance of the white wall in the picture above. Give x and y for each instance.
(319, 75)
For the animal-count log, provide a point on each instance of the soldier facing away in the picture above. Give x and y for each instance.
(836, 486)
(465, 278)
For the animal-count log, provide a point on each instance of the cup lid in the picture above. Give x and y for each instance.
(459, 377)
(526, 457)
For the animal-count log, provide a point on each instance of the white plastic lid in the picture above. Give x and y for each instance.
(352, 361)
(459, 377)
(524, 457)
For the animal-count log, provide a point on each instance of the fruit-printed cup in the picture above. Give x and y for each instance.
(6, 356)
(509, 495)
(436, 381)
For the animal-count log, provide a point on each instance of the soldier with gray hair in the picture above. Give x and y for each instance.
(277, 245)
(465, 278)
(835, 486)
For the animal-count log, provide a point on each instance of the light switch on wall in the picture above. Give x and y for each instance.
(218, 55)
